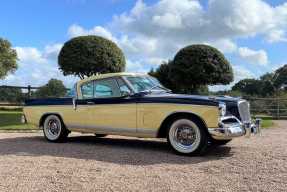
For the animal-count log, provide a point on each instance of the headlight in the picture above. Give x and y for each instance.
(222, 109)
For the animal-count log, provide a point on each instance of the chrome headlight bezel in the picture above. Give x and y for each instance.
(222, 109)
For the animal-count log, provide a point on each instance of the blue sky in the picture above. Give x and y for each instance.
(251, 33)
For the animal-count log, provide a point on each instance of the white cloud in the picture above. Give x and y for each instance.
(252, 56)
(167, 20)
(155, 60)
(242, 73)
(135, 66)
(149, 32)
(37, 67)
(52, 51)
(76, 30)
(29, 54)
(186, 20)
(276, 36)
(176, 23)
(224, 45)
(159, 30)
(239, 74)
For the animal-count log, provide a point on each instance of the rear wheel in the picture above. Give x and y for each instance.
(187, 136)
(54, 129)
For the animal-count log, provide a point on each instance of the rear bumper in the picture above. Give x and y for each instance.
(231, 127)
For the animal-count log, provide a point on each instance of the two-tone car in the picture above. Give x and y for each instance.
(137, 105)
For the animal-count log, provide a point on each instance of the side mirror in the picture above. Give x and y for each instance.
(139, 94)
(74, 103)
(126, 94)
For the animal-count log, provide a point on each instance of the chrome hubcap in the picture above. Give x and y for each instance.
(185, 135)
(53, 127)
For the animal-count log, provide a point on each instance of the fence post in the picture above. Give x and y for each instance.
(278, 109)
(29, 91)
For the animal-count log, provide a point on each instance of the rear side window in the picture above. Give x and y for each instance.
(87, 90)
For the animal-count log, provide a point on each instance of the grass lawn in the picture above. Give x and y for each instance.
(266, 123)
(11, 120)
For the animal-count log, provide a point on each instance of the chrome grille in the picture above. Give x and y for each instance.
(243, 108)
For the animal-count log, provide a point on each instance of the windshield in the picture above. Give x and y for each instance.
(145, 83)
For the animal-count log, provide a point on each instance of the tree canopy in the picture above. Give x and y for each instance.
(255, 87)
(198, 65)
(280, 77)
(193, 69)
(11, 94)
(54, 88)
(8, 58)
(88, 55)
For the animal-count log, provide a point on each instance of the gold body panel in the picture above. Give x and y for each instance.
(140, 120)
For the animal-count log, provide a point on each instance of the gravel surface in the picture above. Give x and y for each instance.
(86, 163)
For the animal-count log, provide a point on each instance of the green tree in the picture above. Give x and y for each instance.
(280, 77)
(248, 86)
(11, 95)
(267, 77)
(8, 58)
(254, 87)
(54, 88)
(88, 55)
(199, 65)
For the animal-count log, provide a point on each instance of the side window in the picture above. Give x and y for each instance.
(106, 88)
(123, 87)
(87, 90)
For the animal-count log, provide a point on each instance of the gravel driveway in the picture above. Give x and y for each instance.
(86, 163)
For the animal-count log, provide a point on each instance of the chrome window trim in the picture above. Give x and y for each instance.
(128, 84)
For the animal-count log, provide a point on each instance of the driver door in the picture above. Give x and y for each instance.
(109, 111)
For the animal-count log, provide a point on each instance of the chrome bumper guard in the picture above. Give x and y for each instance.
(230, 127)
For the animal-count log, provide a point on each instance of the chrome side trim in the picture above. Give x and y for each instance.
(137, 132)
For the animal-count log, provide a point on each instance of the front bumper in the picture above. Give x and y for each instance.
(230, 127)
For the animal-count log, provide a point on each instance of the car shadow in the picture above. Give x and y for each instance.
(130, 151)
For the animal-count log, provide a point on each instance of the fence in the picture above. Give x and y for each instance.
(16, 95)
(275, 108)
(6, 101)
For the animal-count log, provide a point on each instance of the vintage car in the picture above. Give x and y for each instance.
(138, 105)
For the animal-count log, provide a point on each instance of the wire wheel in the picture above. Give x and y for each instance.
(184, 136)
(52, 127)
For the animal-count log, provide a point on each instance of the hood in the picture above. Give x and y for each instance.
(195, 99)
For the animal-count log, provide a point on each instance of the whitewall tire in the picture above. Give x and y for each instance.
(54, 130)
(186, 136)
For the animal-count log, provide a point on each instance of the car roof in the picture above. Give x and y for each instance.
(108, 75)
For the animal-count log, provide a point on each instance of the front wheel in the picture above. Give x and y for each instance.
(54, 130)
(187, 136)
